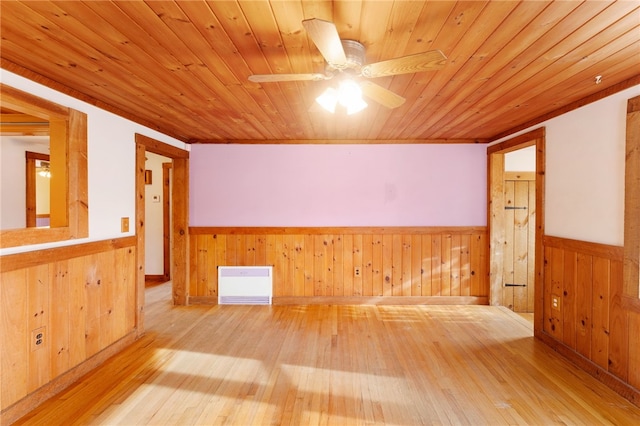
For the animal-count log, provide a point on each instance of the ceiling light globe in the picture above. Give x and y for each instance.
(349, 92)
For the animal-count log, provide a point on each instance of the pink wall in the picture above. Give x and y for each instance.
(338, 185)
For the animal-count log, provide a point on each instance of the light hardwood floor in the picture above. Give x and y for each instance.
(312, 365)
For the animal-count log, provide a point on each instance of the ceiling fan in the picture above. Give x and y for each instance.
(345, 59)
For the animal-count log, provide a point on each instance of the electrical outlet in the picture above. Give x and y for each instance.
(124, 224)
(555, 302)
(357, 271)
(38, 338)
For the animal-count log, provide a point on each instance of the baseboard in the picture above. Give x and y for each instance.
(613, 382)
(359, 300)
(380, 300)
(62, 382)
(203, 300)
(156, 279)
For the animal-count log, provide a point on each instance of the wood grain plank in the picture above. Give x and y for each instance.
(241, 250)
(211, 285)
(60, 318)
(38, 294)
(339, 270)
(13, 331)
(436, 265)
(521, 247)
(426, 269)
(319, 266)
(202, 273)
(272, 257)
(367, 265)
(456, 265)
(309, 265)
(357, 262)
(377, 263)
(78, 310)
(299, 265)
(287, 265)
(416, 265)
(569, 300)
(407, 256)
(509, 245)
(634, 350)
(600, 312)
(387, 264)
(619, 337)
(107, 296)
(126, 287)
(193, 267)
(260, 250)
(446, 265)
(584, 298)
(280, 265)
(396, 265)
(221, 255)
(328, 264)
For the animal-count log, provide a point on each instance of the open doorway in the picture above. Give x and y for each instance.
(516, 223)
(179, 196)
(157, 267)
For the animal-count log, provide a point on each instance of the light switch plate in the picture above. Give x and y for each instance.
(124, 224)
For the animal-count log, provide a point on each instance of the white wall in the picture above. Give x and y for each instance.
(111, 163)
(522, 160)
(585, 171)
(13, 198)
(154, 233)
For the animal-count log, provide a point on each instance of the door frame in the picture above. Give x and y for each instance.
(495, 216)
(166, 220)
(30, 179)
(180, 219)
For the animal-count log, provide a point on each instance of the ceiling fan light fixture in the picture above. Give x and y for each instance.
(356, 105)
(328, 99)
(348, 95)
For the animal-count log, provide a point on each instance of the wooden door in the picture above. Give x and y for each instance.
(519, 251)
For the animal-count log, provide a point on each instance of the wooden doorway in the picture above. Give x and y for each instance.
(166, 221)
(501, 258)
(32, 195)
(158, 218)
(179, 221)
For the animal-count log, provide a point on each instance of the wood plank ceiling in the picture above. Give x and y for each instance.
(182, 66)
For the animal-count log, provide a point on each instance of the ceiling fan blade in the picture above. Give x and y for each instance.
(269, 78)
(326, 38)
(427, 61)
(381, 95)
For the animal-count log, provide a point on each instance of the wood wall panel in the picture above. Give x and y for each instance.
(321, 262)
(83, 303)
(593, 321)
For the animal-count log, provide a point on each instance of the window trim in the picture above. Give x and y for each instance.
(69, 126)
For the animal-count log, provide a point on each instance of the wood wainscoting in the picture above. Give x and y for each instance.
(587, 317)
(64, 310)
(352, 265)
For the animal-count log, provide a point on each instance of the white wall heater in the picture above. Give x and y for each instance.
(245, 285)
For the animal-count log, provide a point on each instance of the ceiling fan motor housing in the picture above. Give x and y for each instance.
(355, 53)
